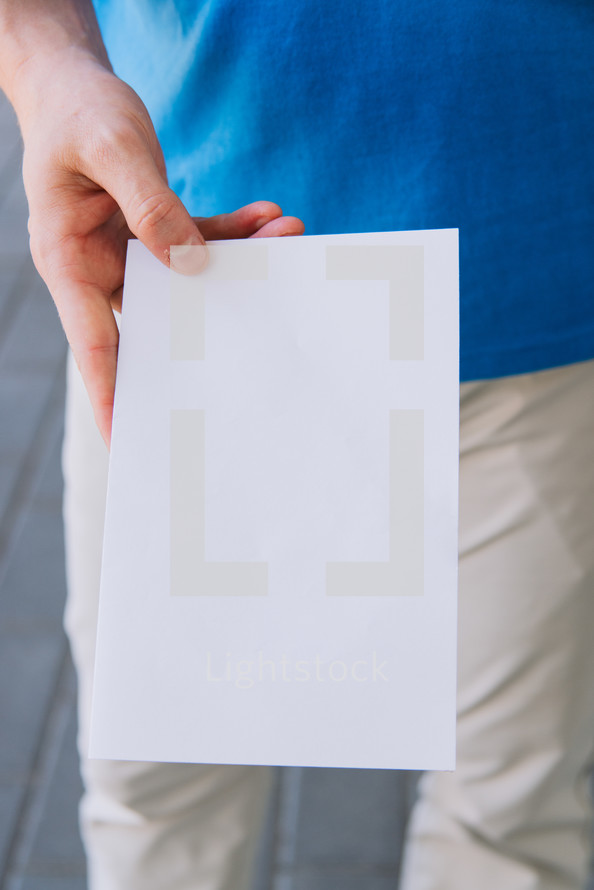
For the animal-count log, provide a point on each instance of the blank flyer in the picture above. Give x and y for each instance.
(280, 552)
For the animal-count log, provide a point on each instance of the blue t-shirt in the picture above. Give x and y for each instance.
(383, 114)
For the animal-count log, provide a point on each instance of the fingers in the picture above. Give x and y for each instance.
(91, 329)
(153, 212)
(240, 223)
(287, 225)
(259, 219)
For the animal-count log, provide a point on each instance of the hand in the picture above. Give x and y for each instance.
(95, 176)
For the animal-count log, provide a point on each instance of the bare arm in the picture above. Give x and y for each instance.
(95, 176)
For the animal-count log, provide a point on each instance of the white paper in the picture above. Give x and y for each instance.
(280, 553)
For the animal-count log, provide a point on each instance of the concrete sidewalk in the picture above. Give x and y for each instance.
(328, 829)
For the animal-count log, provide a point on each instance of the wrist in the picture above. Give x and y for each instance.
(46, 75)
(36, 43)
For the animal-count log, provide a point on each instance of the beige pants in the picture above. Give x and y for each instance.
(516, 813)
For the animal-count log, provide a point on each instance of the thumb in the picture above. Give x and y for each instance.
(154, 213)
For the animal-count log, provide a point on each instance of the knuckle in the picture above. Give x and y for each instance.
(100, 350)
(152, 212)
(103, 141)
(93, 358)
(39, 244)
(101, 148)
(49, 249)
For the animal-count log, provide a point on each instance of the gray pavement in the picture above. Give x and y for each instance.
(326, 828)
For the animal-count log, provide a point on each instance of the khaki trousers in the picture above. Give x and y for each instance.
(516, 814)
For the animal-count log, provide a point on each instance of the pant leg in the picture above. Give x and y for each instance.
(516, 813)
(145, 826)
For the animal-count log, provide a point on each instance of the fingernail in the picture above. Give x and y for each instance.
(188, 259)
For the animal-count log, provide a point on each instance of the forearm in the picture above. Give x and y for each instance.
(35, 36)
